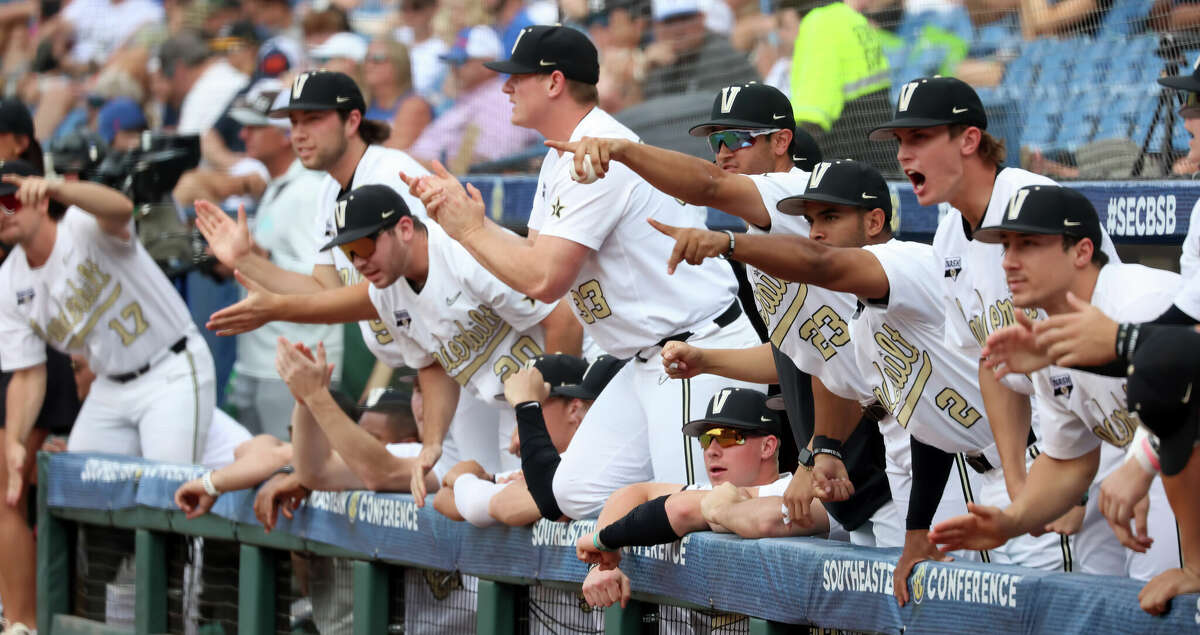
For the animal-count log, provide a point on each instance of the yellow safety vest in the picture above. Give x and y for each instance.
(838, 57)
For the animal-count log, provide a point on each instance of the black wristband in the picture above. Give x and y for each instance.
(644, 525)
(527, 404)
(821, 442)
(830, 451)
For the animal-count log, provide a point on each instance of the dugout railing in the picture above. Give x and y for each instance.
(727, 584)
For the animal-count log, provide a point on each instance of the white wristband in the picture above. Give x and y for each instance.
(1144, 453)
(209, 488)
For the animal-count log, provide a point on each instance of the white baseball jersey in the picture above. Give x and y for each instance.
(97, 295)
(378, 165)
(622, 293)
(475, 326)
(1188, 299)
(1079, 410)
(775, 298)
(976, 288)
(930, 388)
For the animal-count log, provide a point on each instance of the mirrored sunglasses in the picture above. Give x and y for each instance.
(363, 247)
(726, 437)
(736, 139)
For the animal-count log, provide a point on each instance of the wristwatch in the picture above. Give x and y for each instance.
(729, 252)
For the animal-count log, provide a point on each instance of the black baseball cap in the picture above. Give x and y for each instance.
(737, 408)
(933, 101)
(366, 210)
(558, 370)
(594, 379)
(15, 119)
(387, 400)
(1189, 82)
(752, 106)
(1046, 209)
(1159, 389)
(545, 49)
(842, 182)
(18, 167)
(329, 90)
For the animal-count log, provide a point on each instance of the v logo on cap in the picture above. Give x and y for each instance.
(818, 173)
(298, 85)
(906, 95)
(728, 96)
(719, 400)
(1014, 204)
(339, 214)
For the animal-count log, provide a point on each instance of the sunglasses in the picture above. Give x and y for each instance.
(1189, 105)
(736, 139)
(726, 437)
(378, 58)
(9, 204)
(363, 247)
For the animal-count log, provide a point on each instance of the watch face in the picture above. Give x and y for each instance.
(806, 457)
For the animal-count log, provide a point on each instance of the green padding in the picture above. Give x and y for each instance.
(370, 598)
(496, 609)
(55, 544)
(256, 591)
(150, 575)
(71, 625)
(624, 621)
(767, 627)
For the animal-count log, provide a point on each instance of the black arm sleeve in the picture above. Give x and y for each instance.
(1173, 316)
(930, 469)
(539, 458)
(644, 525)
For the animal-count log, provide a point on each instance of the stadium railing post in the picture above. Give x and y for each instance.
(150, 582)
(370, 598)
(766, 627)
(496, 608)
(54, 549)
(256, 590)
(624, 621)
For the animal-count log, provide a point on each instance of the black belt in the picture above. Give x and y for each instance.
(875, 412)
(176, 348)
(726, 318)
(982, 465)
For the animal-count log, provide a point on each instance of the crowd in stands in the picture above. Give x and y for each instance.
(330, 135)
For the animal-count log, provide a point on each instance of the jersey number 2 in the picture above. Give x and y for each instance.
(132, 311)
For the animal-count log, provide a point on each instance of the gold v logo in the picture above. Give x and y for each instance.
(719, 400)
(818, 173)
(339, 214)
(1015, 203)
(728, 96)
(906, 95)
(298, 85)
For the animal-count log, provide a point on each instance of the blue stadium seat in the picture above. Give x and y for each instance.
(1126, 17)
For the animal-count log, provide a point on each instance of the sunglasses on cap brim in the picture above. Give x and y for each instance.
(736, 139)
(362, 247)
(9, 204)
(1189, 105)
(725, 437)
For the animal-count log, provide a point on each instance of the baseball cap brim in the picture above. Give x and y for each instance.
(707, 128)
(697, 427)
(1181, 82)
(355, 234)
(301, 105)
(992, 234)
(512, 68)
(573, 391)
(884, 132)
(795, 205)
(248, 117)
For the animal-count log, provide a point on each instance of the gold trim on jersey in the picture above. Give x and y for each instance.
(1000, 314)
(1118, 426)
(899, 357)
(769, 293)
(80, 303)
(473, 345)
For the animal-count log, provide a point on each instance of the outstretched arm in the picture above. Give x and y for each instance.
(794, 258)
(756, 365)
(261, 305)
(690, 179)
(111, 208)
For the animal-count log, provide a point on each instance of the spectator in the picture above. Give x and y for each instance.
(740, 437)
(282, 229)
(102, 26)
(694, 58)
(618, 27)
(387, 78)
(425, 49)
(121, 123)
(840, 83)
(318, 26)
(510, 16)
(342, 52)
(478, 127)
(198, 84)
(1042, 18)
(17, 140)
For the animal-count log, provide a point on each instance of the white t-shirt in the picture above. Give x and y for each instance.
(475, 326)
(97, 295)
(378, 165)
(209, 97)
(774, 297)
(282, 226)
(428, 69)
(977, 294)
(103, 26)
(224, 435)
(622, 294)
(930, 388)
(774, 488)
(1077, 409)
(1188, 299)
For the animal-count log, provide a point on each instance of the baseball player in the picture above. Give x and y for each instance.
(593, 244)
(756, 167)
(460, 325)
(1049, 235)
(85, 285)
(741, 437)
(950, 159)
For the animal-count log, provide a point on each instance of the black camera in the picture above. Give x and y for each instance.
(148, 173)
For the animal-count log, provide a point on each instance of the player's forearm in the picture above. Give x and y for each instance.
(380, 377)
(26, 393)
(621, 502)
(834, 417)
(1181, 494)
(274, 278)
(1053, 488)
(472, 496)
(328, 306)
(801, 259)
(694, 181)
(248, 470)
(754, 518)
(441, 400)
(106, 204)
(310, 449)
(1008, 413)
(563, 332)
(516, 262)
(378, 469)
(755, 365)
(514, 506)
(684, 513)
